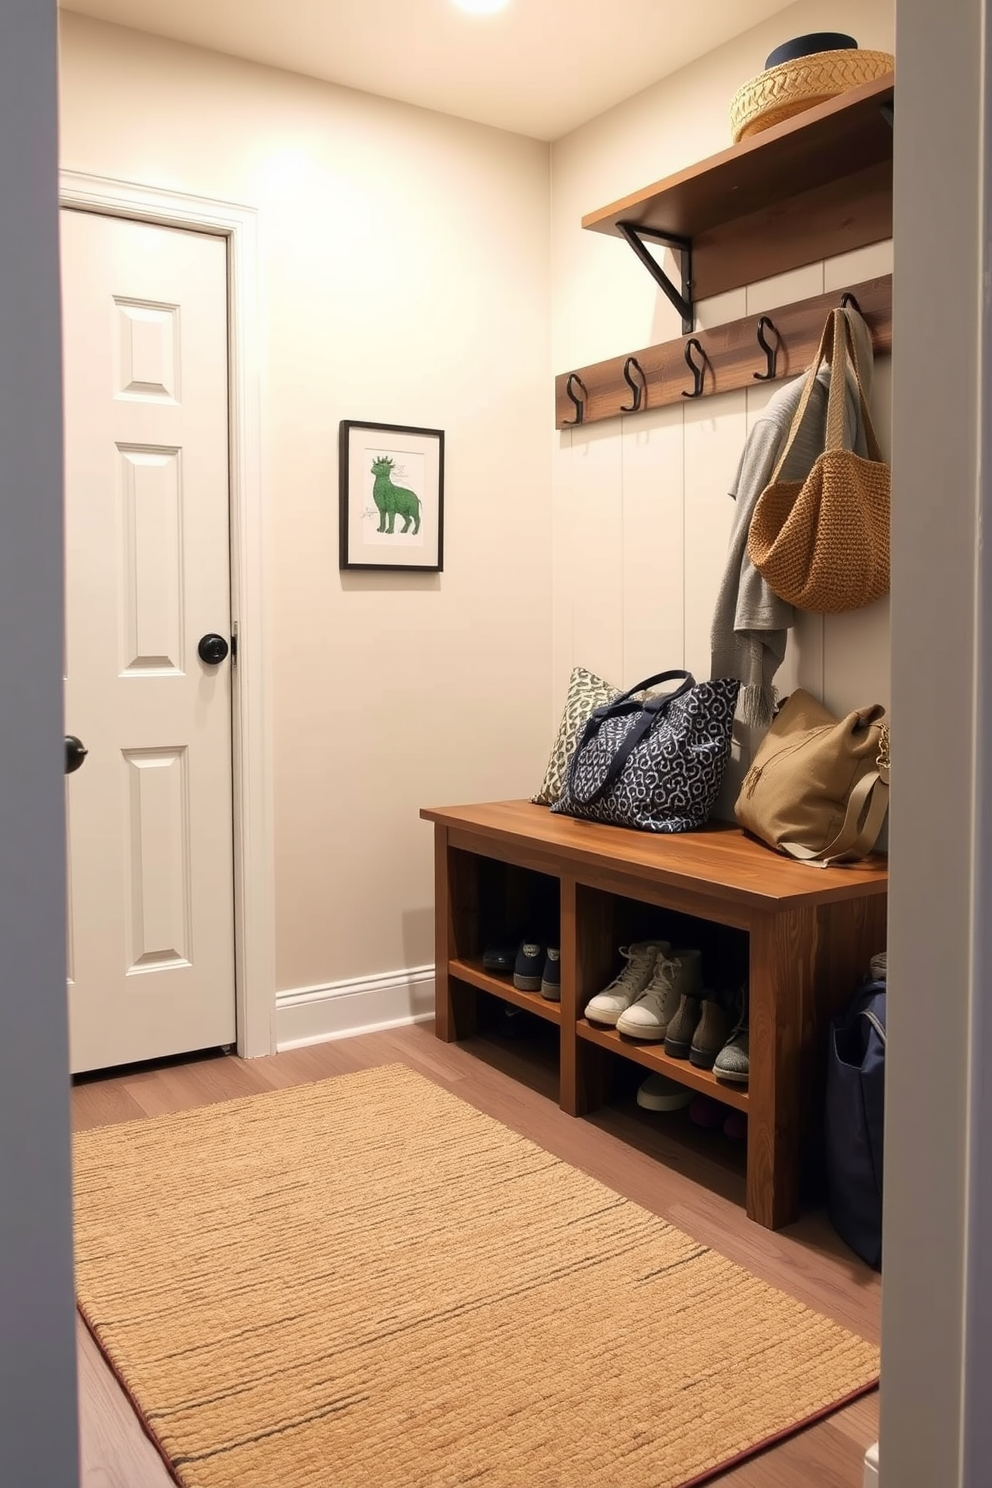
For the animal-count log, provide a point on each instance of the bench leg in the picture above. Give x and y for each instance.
(456, 913)
(805, 965)
(782, 1025)
(586, 958)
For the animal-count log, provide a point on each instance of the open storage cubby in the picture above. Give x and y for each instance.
(495, 902)
(621, 921)
(804, 936)
(530, 1054)
(499, 902)
(670, 1137)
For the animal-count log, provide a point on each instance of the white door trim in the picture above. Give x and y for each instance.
(253, 860)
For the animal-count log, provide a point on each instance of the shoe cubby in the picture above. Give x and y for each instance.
(705, 1154)
(521, 1043)
(496, 902)
(724, 949)
(607, 922)
(800, 937)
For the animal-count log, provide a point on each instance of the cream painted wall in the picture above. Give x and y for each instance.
(404, 270)
(641, 514)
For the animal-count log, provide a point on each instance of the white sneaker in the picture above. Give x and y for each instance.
(659, 1093)
(674, 975)
(624, 989)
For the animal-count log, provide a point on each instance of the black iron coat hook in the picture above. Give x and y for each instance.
(698, 369)
(580, 402)
(771, 352)
(848, 300)
(638, 389)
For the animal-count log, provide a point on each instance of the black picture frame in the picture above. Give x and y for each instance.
(388, 524)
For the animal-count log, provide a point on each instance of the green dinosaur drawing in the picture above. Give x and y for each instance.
(393, 501)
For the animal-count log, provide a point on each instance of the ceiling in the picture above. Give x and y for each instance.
(539, 67)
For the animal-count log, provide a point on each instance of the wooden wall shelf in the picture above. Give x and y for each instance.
(733, 355)
(817, 185)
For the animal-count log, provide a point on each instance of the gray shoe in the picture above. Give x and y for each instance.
(711, 1034)
(650, 1016)
(608, 1005)
(732, 1061)
(682, 1028)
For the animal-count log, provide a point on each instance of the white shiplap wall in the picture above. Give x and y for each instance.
(642, 517)
(640, 506)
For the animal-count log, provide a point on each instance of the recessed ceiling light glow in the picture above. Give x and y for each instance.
(481, 7)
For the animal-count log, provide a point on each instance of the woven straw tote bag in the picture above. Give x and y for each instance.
(822, 543)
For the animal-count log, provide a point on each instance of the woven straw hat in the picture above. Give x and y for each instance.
(802, 83)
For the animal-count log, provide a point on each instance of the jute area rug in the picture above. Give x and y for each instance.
(365, 1283)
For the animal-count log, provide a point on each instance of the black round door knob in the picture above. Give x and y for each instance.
(75, 753)
(212, 649)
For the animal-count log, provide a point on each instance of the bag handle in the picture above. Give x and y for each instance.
(845, 354)
(875, 1022)
(605, 710)
(837, 357)
(650, 709)
(826, 342)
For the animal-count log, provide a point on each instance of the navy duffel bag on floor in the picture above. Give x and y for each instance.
(854, 1121)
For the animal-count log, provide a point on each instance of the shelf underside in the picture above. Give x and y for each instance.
(653, 1057)
(502, 986)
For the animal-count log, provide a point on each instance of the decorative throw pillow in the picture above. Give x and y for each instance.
(586, 691)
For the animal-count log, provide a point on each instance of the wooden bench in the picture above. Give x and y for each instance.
(811, 933)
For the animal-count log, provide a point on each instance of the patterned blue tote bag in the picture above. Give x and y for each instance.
(656, 762)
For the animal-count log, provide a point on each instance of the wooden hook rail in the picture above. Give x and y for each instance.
(732, 357)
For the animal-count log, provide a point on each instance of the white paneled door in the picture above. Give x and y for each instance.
(150, 832)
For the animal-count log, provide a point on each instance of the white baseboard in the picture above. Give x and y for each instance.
(871, 1466)
(314, 1015)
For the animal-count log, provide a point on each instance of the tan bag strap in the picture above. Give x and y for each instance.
(855, 838)
(826, 344)
(845, 354)
(835, 350)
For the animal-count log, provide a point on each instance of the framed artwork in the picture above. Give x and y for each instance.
(391, 495)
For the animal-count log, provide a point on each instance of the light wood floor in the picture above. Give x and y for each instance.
(693, 1179)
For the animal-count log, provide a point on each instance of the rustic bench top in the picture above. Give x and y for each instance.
(719, 860)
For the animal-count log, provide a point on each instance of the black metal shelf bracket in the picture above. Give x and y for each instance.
(681, 298)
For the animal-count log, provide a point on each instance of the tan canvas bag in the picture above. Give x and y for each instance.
(822, 544)
(819, 786)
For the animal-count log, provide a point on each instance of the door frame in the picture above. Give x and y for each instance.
(254, 928)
